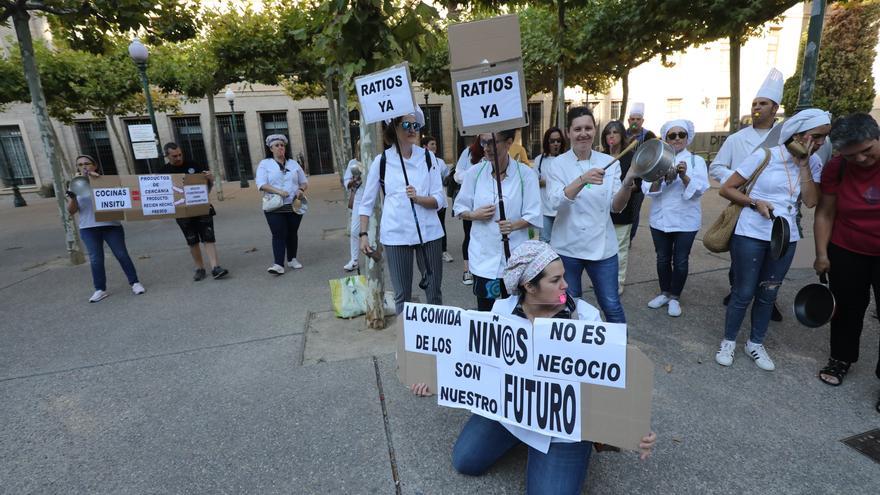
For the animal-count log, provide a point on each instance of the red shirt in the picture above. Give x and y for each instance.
(857, 222)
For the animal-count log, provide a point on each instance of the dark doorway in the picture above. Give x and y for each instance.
(316, 131)
(230, 144)
(189, 136)
(95, 142)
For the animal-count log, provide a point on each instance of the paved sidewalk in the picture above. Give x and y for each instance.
(199, 387)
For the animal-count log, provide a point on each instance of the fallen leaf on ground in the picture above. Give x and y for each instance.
(144, 257)
(676, 439)
(251, 250)
(668, 368)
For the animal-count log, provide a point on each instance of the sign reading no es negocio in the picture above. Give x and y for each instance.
(385, 94)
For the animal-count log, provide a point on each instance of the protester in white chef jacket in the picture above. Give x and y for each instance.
(352, 179)
(468, 158)
(552, 146)
(477, 201)
(676, 214)
(739, 145)
(398, 233)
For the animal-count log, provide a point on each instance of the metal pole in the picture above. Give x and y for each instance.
(142, 68)
(811, 55)
(242, 179)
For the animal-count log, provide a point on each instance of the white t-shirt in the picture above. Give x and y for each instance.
(291, 179)
(674, 207)
(87, 214)
(348, 176)
(779, 184)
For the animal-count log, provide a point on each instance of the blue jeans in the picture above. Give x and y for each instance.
(114, 236)
(673, 250)
(548, 228)
(562, 470)
(284, 227)
(603, 274)
(758, 277)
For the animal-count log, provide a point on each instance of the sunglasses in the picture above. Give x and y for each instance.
(674, 135)
(486, 142)
(411, 126)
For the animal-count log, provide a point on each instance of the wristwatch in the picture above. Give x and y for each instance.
(753, 205)
(363, 234)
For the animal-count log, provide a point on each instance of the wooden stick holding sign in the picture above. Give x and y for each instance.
(505, 239)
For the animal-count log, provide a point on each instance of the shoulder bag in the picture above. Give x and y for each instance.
(272, 201)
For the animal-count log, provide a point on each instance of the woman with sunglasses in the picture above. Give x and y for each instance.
(477, 201)
(774, 192)
(614, 140)
(676, 214)
(419, 189)
(95, 234)
(585, 194)
(552, 146)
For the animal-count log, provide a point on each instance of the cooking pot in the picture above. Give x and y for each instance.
(653, 160)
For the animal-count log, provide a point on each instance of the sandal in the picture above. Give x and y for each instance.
(834, 369)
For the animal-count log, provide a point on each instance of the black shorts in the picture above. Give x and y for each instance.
(197, 229)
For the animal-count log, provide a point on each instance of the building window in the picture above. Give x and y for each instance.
(94, 140)
(234, 145)
(275, 123)
(532, 136)
(434, 125)
(773, 45)
(316, 131)
(188, 135)
(722, 114)
(14, 165)
(143, 166)
(673, 108)
(615, 109)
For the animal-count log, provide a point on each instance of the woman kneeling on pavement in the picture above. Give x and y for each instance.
(676, 214)
(847, 229)
(95, 234)
(423, 193)
(534, 276)
(774, 192)
(477, 201)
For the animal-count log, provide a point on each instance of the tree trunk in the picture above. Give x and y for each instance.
(560, 70)
(213, 141)
(129, 164)
(38, 102)
(333, 121)
(625, 83)
(734, 82)
(344, 123)
(370, 141)
(554, 107)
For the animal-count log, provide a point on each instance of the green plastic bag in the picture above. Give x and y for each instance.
(348, 296)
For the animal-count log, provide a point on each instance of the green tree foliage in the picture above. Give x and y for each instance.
(844, 82)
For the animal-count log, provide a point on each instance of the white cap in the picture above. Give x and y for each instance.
(638, 108)
(772, 87)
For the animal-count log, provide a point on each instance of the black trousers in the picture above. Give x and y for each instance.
(467, 239)
(852, 277)
(441, 213)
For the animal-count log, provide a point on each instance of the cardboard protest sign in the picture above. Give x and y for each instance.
(149, 197)
(564, 408)
(385, 94)
(488, 82)
(586, 351)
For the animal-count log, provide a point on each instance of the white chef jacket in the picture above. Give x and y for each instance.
(291, 180)
(522, 200)
(675, 208)
(462, 165)
(735, 149)
(348, 176)
(398, 226)
(533, 439)
(542, 165)
(779, 184)
(583, 228)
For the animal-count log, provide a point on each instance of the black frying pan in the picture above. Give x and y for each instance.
(779, 236)
(814, 304)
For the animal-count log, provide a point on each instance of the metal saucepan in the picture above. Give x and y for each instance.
(814, 304)
(779, 236)
(653, 160)
(300, 205)
(80, 186)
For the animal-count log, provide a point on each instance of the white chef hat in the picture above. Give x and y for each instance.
(804, 120)
(772, 87)
(687, 125)
(638, 108)
(420, 117)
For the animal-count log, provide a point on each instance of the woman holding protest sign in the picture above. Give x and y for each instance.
(585, 188)
(534, 276)
(95, 234)
(478, 202)
(413, 189)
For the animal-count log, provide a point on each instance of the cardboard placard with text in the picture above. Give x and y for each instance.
(149, 197)
(385, 94)
(488, 83)
(575, 410)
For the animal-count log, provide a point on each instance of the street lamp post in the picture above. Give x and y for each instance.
(139, 54)
(811, 55)
(230, 97)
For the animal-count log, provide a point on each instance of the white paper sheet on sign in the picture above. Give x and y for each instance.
(430, 329)
(385, 94)
(157, 194)
(491, 99)
(585, 351)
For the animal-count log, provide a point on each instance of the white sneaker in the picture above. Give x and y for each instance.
(447, 257)
(724, 356)
(674, 308)
(619, 289)
(658, 302)
(137, 289)
(351, 266)
(296, 265)
(759, 354)
(276, 270)
(467, 278)
(99, 295)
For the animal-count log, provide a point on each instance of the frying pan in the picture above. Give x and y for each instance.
(779, 236)
(814, 304)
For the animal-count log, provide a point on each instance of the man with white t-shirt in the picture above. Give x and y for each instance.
(744, 142)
